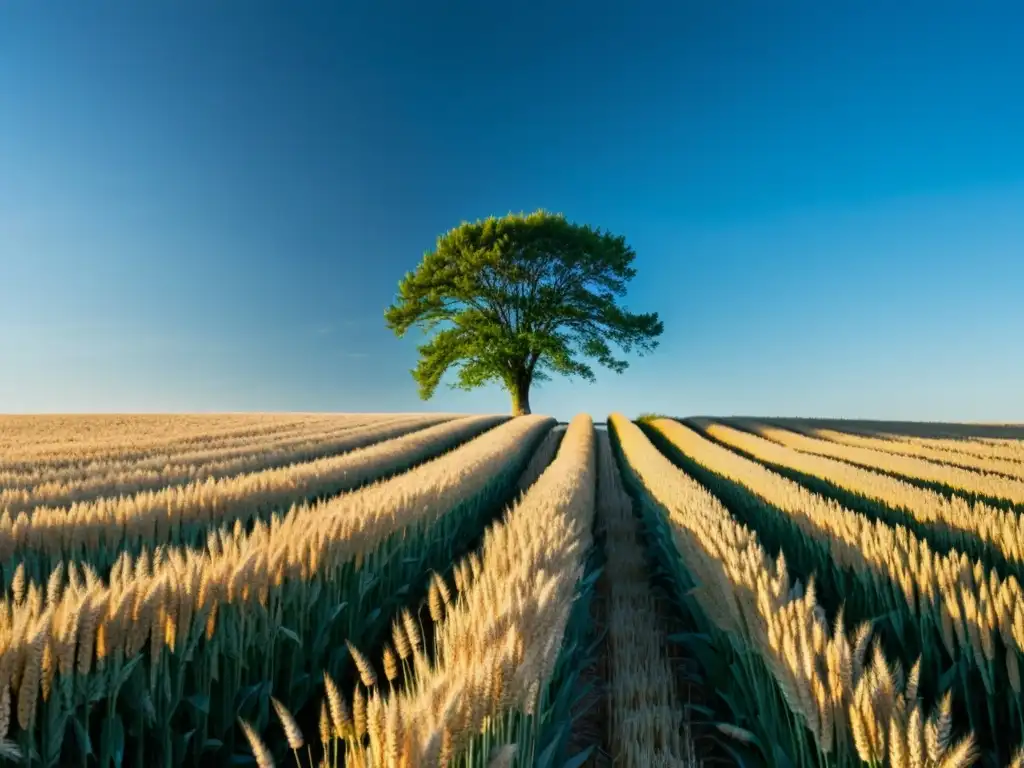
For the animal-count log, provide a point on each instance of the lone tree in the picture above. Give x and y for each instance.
(518, 298)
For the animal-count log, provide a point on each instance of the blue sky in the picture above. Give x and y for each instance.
(207, 206)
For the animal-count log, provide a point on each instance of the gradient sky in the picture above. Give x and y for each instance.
(208, 205)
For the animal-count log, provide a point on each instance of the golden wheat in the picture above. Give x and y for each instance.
(498, 643)
(1001, 450)
(109, 525)
(42, 439)
(963, 480)
(211, 584)
(168, 434)
(194, 457)
(971, 604)
(185, 592)
(845, 702)
(994, 433)
(1001, 529)
(949, 454)
(131, 480)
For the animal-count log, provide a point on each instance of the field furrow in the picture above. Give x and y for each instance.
(649, 722)
(543, 456)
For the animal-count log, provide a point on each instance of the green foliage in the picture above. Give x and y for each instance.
(515, 299)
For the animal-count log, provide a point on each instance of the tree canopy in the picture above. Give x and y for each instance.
(516, 299)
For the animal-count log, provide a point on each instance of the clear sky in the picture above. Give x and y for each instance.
(208, 205)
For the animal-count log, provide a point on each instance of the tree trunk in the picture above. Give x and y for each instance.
(520, 391)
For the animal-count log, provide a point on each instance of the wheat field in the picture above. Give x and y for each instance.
(413, 589)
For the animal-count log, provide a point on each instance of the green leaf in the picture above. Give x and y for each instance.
(947, 678)
(592, 648)
(366, 583)
(742, 735)
(112, 741)
(82, 736)
(126, 672)
(323, 632)
(781, 758)
(561, 703)
(547, 757)
(339, 655)
(186, 738)
(211, 745)
(290, 634)
(96, 690)
(246, 696)
(589, 580)
(336, 612)
(579, 758)
(582, 692)
(313, 591)
(199, 702)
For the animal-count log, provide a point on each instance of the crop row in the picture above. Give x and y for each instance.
(172, 442)
(992, 434)
(196, 457)
(442, 570)
(945, 611)
(985, 484)
(1005, 449)
(133, 481)
(950, 453)
(168, 654)
(99, 533)
(975, 528)
(497, 645)
(801, 692)
(36, 440)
